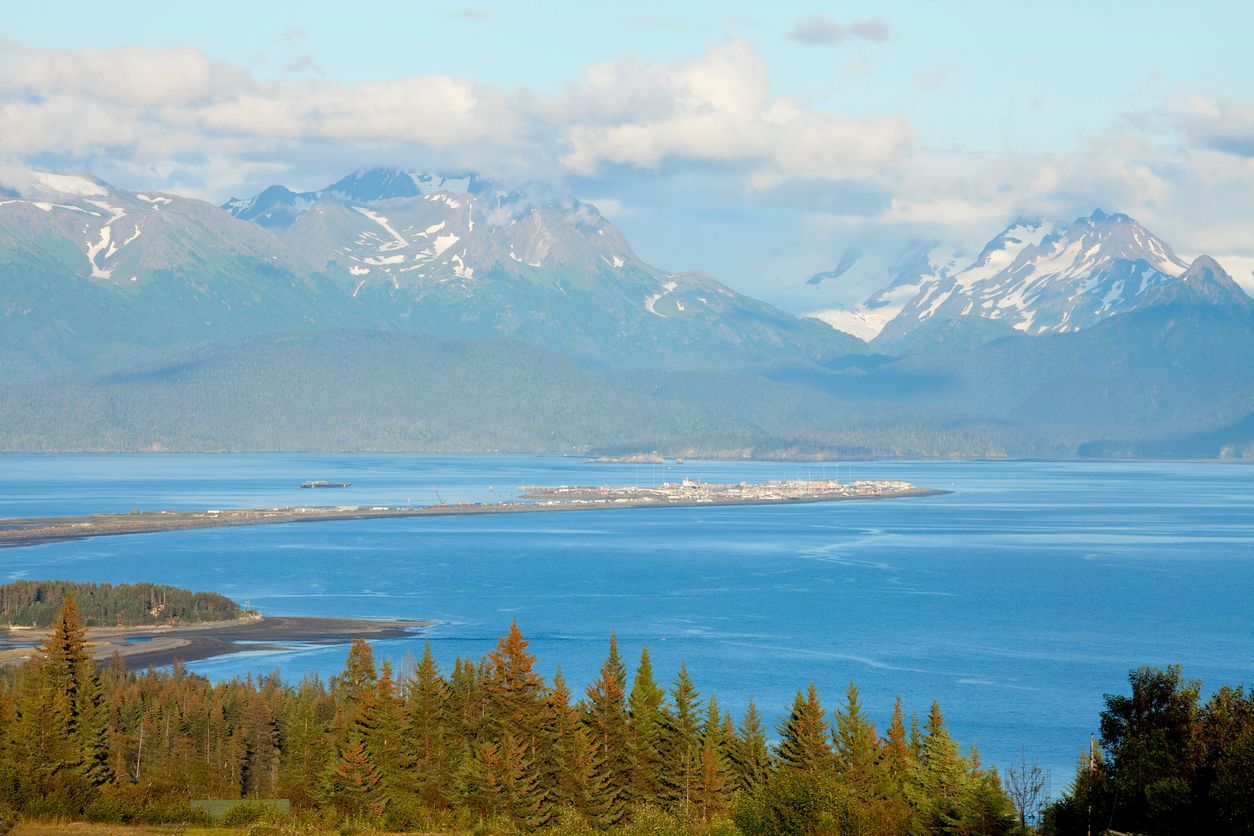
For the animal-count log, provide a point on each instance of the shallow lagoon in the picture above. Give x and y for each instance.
(1016, 601)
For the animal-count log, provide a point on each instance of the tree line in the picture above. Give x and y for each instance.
(1167, 762)
(489, 746)
(32, 603)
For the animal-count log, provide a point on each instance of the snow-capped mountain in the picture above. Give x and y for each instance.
(457, 254)
(1035, 277)
(907, 270)
(402, 229)
(89, 271)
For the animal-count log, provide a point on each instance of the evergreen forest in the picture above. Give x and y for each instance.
(32, 603)
(491, 747)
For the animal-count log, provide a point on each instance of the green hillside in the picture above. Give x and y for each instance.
(29, 603)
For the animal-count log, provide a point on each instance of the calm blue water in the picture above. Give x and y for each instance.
(1017, 601)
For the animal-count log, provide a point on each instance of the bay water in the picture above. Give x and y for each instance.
(1017, 600)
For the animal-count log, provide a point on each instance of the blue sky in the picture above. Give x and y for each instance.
(868, 121)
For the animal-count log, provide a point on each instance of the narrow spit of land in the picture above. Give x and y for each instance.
(30, 531)
(160, 645)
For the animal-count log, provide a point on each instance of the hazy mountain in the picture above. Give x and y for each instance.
(90, 273)
(907, 271)
(459, 256)
(401, 310)
(1035, 277)
(1169, 375)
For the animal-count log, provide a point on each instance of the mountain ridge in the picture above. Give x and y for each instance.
(90, 270)
(396, 310)
(1034, 277)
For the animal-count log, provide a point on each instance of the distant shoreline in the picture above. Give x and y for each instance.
(690, 458)
(162, 645)
(31, 531)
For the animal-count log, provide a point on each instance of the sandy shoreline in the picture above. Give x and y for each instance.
(144, 647)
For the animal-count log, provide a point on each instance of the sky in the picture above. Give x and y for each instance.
(753, 141)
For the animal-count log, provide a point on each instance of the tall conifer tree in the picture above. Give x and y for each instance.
(857, 748)
(804, 742)
(646, 712)
(427, 732)
(682, 741)
(606, 718)
(751, 760)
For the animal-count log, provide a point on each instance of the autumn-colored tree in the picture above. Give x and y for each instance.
(354, 781)
(513, 687)
(516, 696)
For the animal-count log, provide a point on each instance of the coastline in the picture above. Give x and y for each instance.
(31, 531)
(157, 646)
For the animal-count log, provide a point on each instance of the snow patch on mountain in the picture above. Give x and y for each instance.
(1034, 277)
(906, 271)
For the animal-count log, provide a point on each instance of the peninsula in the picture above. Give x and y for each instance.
(532, 499)
(151, 625)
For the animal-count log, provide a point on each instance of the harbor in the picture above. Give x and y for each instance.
(532, 499)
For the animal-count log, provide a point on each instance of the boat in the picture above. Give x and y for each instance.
(324, 483)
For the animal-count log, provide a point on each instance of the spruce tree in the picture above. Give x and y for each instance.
(804, 743)
(427, 732)
(606, 719)
(645, 709)
(474, 782)
(711, 790)
(304, 744)
(60, 734)
(353, 782)
(898, 757)
(513, 686)
(898, 765)
(467, 705)
(385, 741)
(941, 779)
(682, 742)
(751, 760)
(857, 748)
(571, 752)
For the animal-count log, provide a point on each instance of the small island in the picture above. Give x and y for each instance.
(631, 458)
(533, 499)
(151, 625)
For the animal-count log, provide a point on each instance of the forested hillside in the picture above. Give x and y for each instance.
(30, 603)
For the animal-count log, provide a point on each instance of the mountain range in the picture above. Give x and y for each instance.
(1035, 277)
(408, 310)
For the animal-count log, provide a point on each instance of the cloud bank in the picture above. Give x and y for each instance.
(182, 120)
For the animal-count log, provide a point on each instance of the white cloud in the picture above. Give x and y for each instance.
(127, 76)
(179, 120)
(718, 108)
